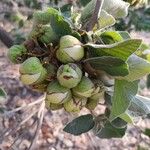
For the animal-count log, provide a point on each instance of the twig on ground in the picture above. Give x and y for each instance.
(39, 125)
(7, 113)
(21, 136)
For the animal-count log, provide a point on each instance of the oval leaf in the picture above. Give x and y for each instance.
(109, 131)
(124, 92)
(111, 65)
(80, 125)
(121, 50)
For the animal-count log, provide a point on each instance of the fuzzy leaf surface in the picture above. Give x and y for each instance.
(124, 93)
(111, 65)
(80, 125)
(110, 131)
(121, 50)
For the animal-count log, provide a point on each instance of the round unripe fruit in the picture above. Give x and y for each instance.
(52, 106)
(69, 75)
(57, 94)
(32, 71)
(75, 104)
(17, 53)
(44, 34)
(48, 36)
(97, 95)
(84, 89)
(70, 49)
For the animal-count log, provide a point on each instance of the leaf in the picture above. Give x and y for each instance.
(140, 106)
(117, 8)
(111, 65)
(66, 10)
(138, 67)
(121, 50)
(105, 20)
(59, 25)
(109, 131)
(2, 93)
(87, 12)
(125, 35)
(124, 93)
(84, 2)
(119, 123)
(2, 96)
(147, 132)
(127, 117)
(110, 37)
(80, 125)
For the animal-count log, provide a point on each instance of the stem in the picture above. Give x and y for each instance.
(95, 15)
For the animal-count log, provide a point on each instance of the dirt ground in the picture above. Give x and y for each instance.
(52, 136)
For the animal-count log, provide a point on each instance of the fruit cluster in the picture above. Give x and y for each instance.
(53, 64)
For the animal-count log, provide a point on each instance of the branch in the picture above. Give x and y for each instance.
(95, 15)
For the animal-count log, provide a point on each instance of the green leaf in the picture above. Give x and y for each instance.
(66, 10)
(139, 106)
(147, 132)
(2, 93)
(110, 37)
(124, 93)
(2, 96)
(105, 20)
(87, 12)
(121, 50)
(117, 8)
(84, 2)
(127, 117)
(138, 67)
(119, 123)
(109, 131)
(59, 25)
(111, 65)
(80, 125)
(125, 35)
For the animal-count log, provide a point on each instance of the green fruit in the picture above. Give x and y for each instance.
(69, 75)
(44, 17)
(44, 34)
(57, 94)
(48, 36)
(32, 71)
(17, 53)
(52, 106)
(70, 49)
(84, 89)
(75, 104)
(97, 95)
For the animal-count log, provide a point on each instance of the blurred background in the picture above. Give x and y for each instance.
(15, 23)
